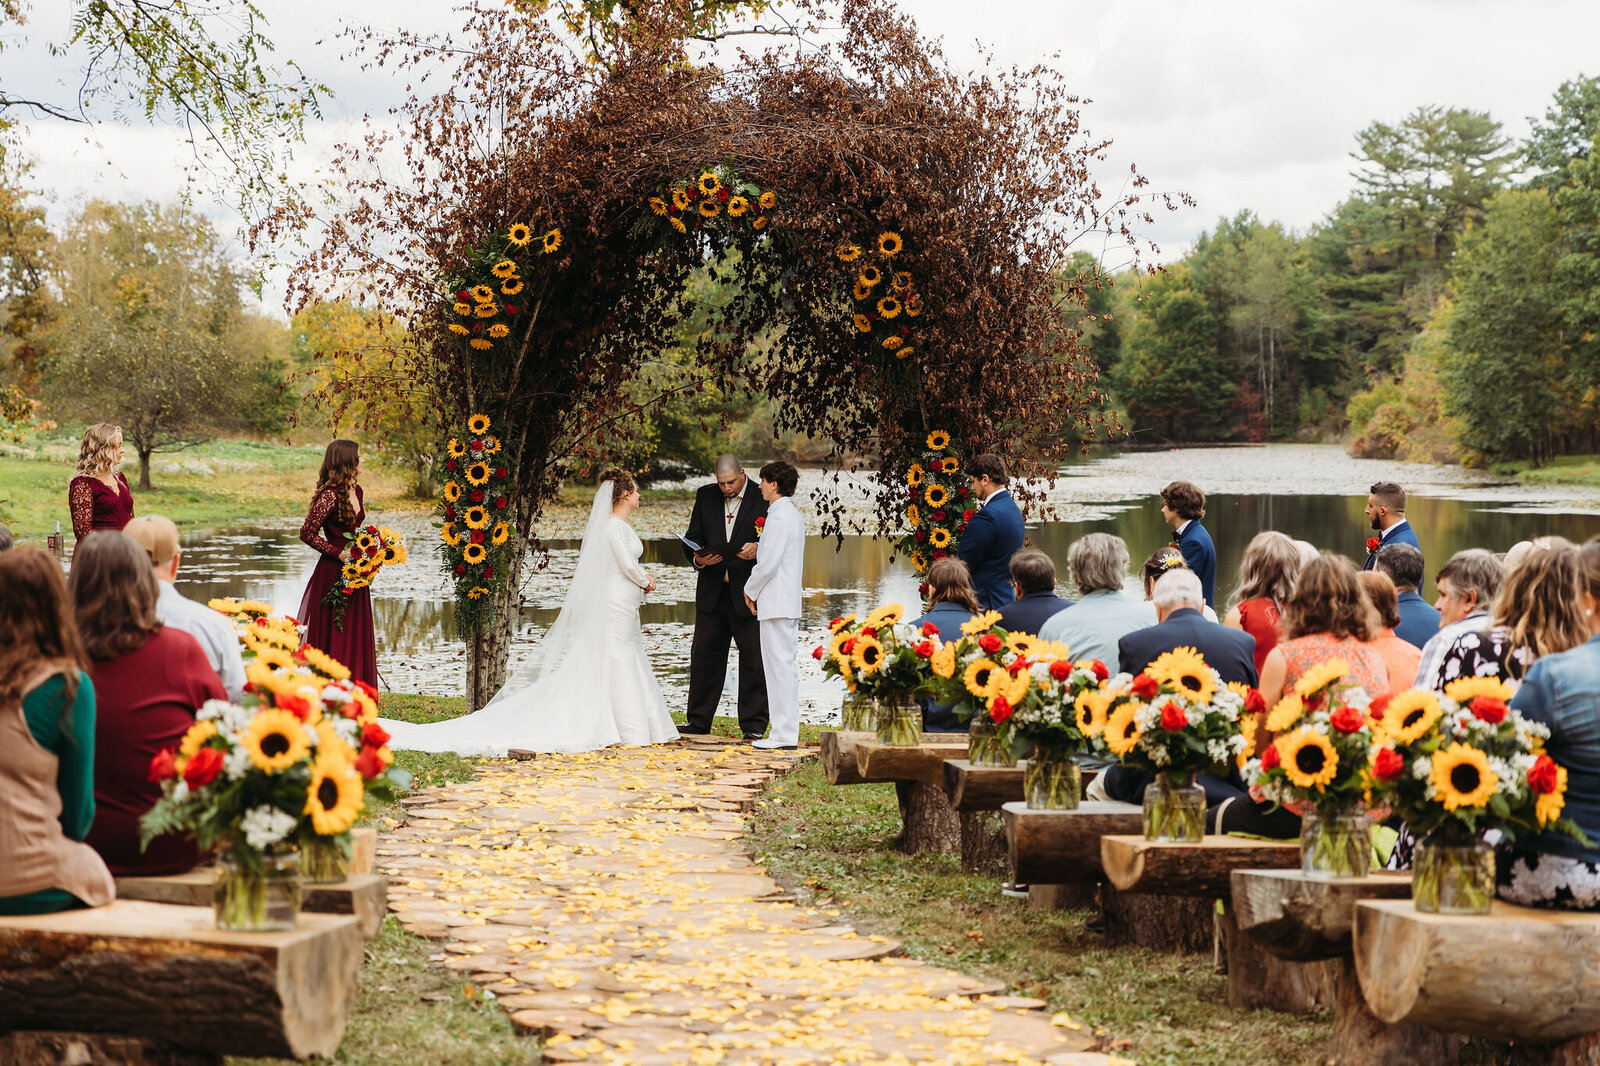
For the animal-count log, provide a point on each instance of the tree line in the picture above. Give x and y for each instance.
(1448, 308)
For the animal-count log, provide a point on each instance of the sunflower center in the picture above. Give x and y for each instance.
(982, 677)
(1464, 777)
(1411, 718)
(1190, 682)
(1310, 759)
(274, 744)
(870, 655)
(328, 794)
(1129, 729)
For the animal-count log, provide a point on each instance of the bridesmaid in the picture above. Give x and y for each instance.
(98, 495)
(337, 510)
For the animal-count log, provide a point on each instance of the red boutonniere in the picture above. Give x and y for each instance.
(761, 523)
(1372, 544)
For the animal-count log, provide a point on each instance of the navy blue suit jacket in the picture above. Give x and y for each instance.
(1029, 613)
(1403, 534)
(987, 544)
(1231, 652)
(1201, 555)
(947, 618)
(1418, 620)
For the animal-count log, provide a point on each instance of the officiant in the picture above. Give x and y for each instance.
(721, 543)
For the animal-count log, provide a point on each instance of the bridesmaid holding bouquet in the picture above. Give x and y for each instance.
(338, 509)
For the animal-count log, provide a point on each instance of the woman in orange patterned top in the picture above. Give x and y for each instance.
(98, 495)
(1327, 617)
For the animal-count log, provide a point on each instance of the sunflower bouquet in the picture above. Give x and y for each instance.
(938, 508)
(1319, 767)
(713, 198)
(1455, 765)
(1173, 720)
(475, 489)
(487, 298)
(884, 296)
(371, 549)
(889, 661)
(1047, 722)
(858, 712)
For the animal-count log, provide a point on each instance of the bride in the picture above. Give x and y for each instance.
(589, 684)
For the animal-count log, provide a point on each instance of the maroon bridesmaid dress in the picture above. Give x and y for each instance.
(96, 506)
(355, 645)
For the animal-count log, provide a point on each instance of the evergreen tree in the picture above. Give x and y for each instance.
(1564, 133)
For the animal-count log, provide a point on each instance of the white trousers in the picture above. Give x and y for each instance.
(780, 643)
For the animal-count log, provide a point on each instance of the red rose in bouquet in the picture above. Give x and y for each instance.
(940, 554)
(1060, 669)
(1543, 776)
(164, 765)
(369, 763)
(1145, 686)
(476, 495)
(202, 768)
(817, 652)
(929, 629)
(1347, 719)
(990, 643)
(1000, 710)
(1270, 757)
(374, 734)
(924, 649)
(1099, 669)
(1488, 709)
(298, 706)
(1386, 765)
(1376, 708)
(1372, 544)
(1173, 718)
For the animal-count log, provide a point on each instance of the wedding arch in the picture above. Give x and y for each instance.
(891, 240)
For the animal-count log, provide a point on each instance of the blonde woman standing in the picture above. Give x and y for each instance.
(98, 494)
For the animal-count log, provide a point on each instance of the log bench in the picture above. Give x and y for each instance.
(1517, 973)
(1134, 864)
(165, 974)
(988, 788)
(363, 896)
(931, 824)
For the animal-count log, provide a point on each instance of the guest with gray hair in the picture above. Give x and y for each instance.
(1466, 585)
(1033, 580)
(1106, 612)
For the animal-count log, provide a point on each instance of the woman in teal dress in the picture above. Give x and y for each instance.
(46, 746)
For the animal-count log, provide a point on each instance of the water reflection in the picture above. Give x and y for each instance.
(418, 650)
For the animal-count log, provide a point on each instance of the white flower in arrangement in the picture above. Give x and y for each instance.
(1509, 779)
(1156, 752)
(335, 694)
(266, 825)
(348, 729)
(180, 792)
(212, 710)
(905, 633)
(236, 763)
(1219, 750)
(1040, 672)
(311, 734)
(1422, 768)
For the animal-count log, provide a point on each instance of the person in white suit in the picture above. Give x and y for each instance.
(773, 593)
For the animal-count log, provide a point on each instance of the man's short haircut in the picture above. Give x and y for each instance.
(6, 539)
(1178, 588)
(782, 474)
(1098, 562)
(1475, 568)
(727, 463)
(1403, 564)
(988, 465)
(1033, 570)
(1389, 495)
(1185, 499)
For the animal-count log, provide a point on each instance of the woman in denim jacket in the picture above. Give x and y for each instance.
(1563, 692)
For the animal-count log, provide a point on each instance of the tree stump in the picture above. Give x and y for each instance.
(1180, 925)
(94, 1049)
(931, 823)
(839, 757)
(1063, 847)
(983, 842)
(1063, 897)
(1360, 1039)
(1259, 980)
(1304, 918)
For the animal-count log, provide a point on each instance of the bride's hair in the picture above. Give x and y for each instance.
(622, 482)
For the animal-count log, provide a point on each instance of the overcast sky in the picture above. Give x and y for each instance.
(1242, 104)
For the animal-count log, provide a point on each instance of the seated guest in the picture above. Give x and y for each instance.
(1400, 658)
(1534, 614)
(1327, 617)
(46, 746)
(1467, 585)
(1178, 600)
(157, 535)
(1562, 691)
(1403, 564)
(1308, 551)
(150, 679)
(1162, 560)
(951, 604)
(1033, 581)
(1182, 507)
(1104, 614)
(1266, 577)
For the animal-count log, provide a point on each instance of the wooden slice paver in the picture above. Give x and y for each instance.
(627, 928)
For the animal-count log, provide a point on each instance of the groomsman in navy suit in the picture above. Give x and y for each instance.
(1386, 510)
(993, 534)
(1182, 507)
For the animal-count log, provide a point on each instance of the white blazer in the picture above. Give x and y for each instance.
(775, 583)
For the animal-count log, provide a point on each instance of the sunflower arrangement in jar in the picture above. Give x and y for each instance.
(890, 661)
(938, 507)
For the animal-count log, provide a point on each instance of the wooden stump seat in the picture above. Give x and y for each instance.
(1134, 864)
(363, 896)
(839, 757)
(165, 973)
(981, 788)
(876, 761)
(1063, 847)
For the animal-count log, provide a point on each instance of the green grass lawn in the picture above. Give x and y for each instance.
(1567, 470)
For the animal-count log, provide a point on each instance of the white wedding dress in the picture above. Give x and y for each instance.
(589, 685)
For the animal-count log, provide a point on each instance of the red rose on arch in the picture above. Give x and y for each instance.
(1372, 544)
(501, 471)
(461, 570)
(1173, 718)
(914, 493)
(722, 195)
(500, 503)
(202, 768)
(1099, 669)
(1000, 710)
(940, 554)
(1543, 775)
(964, 492)
(1145, 686)
(476, 445)
(922, 590)
(990, 643)
(966, 516)
(164, 765)
(373, 530)
(1269, 758)
(938, 516)
(922, 535)
(451, 464)
(476, 495)
(449, 512)
(1347, 719)
(477, 536)
(488, 573)
(1060, 669)
(1018, 665)
(464, 296)
(511, 309)
(1488, 709)
(1387, 765)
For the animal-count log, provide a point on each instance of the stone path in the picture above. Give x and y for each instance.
(608, 902)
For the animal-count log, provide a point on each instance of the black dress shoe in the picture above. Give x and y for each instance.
(754, 736)
(684, 730)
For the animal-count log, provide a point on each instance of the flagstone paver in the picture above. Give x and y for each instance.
(608, 902)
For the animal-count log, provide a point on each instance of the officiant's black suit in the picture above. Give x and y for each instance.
(721, 614)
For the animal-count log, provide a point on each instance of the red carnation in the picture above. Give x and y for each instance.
(464, 296)
(451, 464)
(369, 763)
(477, 536)
(460, 570)
(203, 767)
(1269, 758)
(1386, 765)
(164, 765)
(298, 706)
(990, 643)
(817, 652)
(924, 649)
(1372, 544)
(1544, 776)
(1376, 708)
(940, 554)
(1061, 669)
(929, 629)
(1099, 669)
(1173, 718)
(848, 646)
(1000, 710)
(501, 471)
(1347, 719)
(374, 734)
(1145, 686)
(1488, 709)
(476, 495)
(722, 195)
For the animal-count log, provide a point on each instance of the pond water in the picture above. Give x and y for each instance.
(1311, 492)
